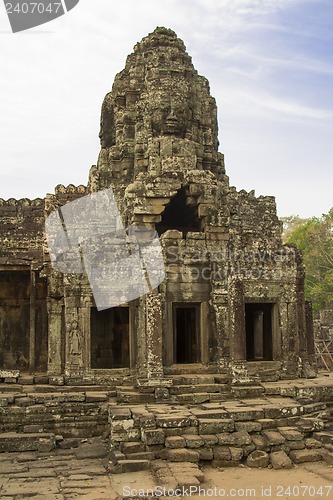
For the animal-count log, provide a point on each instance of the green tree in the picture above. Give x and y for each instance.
(314, 238)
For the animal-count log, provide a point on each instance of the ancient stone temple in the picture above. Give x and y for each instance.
(232, 301)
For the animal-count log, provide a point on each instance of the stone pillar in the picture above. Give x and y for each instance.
(32, 329)
(154, 326)
(55, 347)
(238, 372)
(237, 333)
(74, 339)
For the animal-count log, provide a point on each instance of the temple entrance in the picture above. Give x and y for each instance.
(110, 339)
(23, 321)
(186, 329)
(258, 322)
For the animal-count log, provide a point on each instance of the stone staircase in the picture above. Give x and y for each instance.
(35, 417)
(275, 430)
(183, 389)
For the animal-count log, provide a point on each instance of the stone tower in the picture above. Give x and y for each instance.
(233, 298)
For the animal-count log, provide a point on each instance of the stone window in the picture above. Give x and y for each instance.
(180, 214)
(110, 339)
(259, 331)
(186, 332)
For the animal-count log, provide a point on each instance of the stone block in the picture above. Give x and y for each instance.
(24, 401)
(327, 456)
(129, 466)
(116, 455)
(258, 459)
(153, 436)
(221, 452)
(68, 444)
(9, 374)
(248, 426)
(245, 414)
(312, 443)
(273, 437)
(132, 447)
(144, 455)
(205, 453)
(290, 433)
(267, 423)
(181, 455)
(236, 454)
(33, 428)
(119, 413)
(280, 460)
(130, 435)
(173, 421)
(144, 420)
(301, 456)
(194, 441)
(122, 425)
(175, 442)
(12, 441)
(210, 439)
(41, 380)
(213, 426)
(295, 445)
(260, 442)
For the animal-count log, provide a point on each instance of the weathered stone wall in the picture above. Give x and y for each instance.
(21, 232)
(323, 333)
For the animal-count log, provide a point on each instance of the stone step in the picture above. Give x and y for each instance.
(193, 398)
(129, 466)
(193, 379)
(15, 442)
(201, 388)
(247, 391)
(326, 437)
(134, 397)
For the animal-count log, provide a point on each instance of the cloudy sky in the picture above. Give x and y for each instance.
(269, 63)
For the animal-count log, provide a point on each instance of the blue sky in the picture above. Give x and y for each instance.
(270, 67)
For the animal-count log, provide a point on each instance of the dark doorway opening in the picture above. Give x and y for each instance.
(14, 320)
(180, 215)
(186, 321)
(258, 321)
(110, 342)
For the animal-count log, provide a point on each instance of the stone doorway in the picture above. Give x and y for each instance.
(259, 331)
(110, 338)
(23, 321)
(186, 333)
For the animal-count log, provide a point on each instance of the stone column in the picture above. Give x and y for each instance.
(54, 310)
(238, 372)
(154, 326)
(32, 329)
(237, 333)
(74, 339)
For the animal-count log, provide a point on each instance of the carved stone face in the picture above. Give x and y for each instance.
(107, 133)
(169, 120)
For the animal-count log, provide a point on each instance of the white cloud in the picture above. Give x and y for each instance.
(52, 84)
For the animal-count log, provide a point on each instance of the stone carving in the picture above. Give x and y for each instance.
(74, 339)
